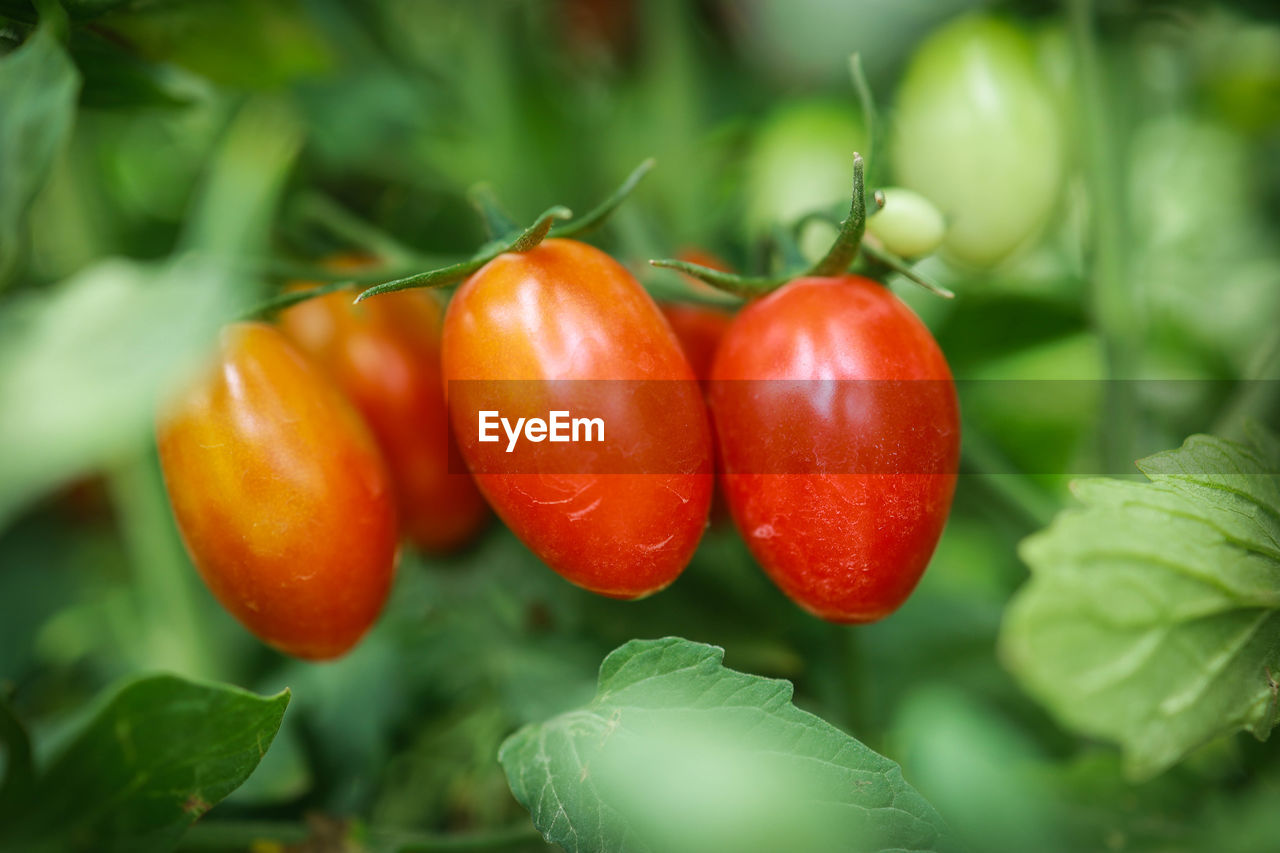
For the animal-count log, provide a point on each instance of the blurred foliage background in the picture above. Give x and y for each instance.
(199, 151)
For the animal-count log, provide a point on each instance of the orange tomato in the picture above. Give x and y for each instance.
(281, 495)
(385, 355)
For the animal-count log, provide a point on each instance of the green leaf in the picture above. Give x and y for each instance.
(83, 365)
(38, 87)
(84, 362)
(1151, 615)
(158, 755)
(678, 753)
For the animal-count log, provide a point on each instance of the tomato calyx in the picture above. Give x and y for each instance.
(506, 235)
(510, 237)
(847, 248)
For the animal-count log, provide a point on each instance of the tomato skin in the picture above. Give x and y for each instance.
(848, 545)
(567, 311)
(281, 496)
(385, 356)
(699, 329)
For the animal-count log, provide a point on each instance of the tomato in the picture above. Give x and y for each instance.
(908, 225)
(281, 496)
(800, 162)
(567, 311)
(977, 131)
(699, 329)
(839, 431)
(385, 355)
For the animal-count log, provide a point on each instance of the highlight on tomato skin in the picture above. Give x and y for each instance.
(838, 427)
(384, 354)
(281, 495)
(567, 311)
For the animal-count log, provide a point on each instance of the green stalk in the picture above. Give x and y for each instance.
(1258, 397)
(845, 248)
(1014, 488)
(172, 634)
(230, 834)
(1113, 302)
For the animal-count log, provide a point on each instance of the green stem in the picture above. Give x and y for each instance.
(1114, 306)
(845, 248)
(871, 118)
(748, 287)
(852, 680)
(284, 270)
(172, 634)
(294, 297)
(523, 242)
(519, 837)
(351, 229)
(1015, 488)
(53, 16)
(497, 221)
(597, 215)
(241, 834)
(1258, 396)
(19, 772)
(225, 834)
(538, 231)
(904, 269)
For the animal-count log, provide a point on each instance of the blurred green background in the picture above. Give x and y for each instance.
(1123, 225)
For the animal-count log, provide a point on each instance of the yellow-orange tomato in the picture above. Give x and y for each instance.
(281, 495)
(385, 355)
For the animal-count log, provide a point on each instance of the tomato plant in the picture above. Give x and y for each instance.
(567, 311)
(837, 421)
(1096, 184)
(281, 495)
(385, 355)
(977, 132)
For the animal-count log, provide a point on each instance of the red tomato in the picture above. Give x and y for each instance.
(281, 496)
(699, 329)
(840, 448)
(385, 355)
(567, 311)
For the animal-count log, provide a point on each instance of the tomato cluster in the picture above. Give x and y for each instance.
(303, 454)
(297, 462)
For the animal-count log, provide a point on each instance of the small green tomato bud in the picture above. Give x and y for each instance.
(908, 225)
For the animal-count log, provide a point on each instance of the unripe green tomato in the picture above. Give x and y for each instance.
(978, 131)
(908, 225)
(801, 160)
